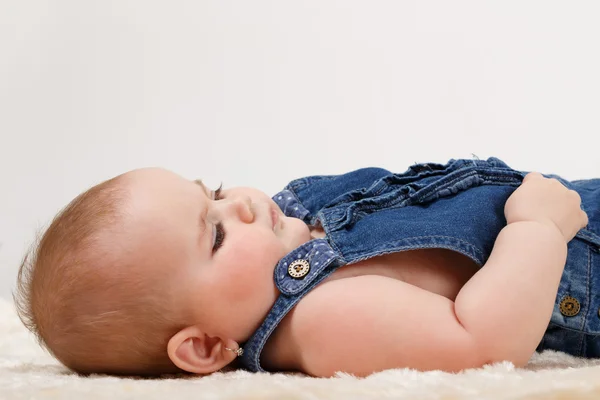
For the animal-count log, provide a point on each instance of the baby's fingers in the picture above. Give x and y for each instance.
(532, 175)
(576, 198)
(584, 218)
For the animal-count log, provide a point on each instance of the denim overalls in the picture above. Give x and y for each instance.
(457, 206)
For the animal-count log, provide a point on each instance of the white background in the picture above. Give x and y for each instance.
(261, 92)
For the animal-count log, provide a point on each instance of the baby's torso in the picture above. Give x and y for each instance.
(436, 270)
(431, 227)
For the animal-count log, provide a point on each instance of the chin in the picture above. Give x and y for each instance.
(297, 232)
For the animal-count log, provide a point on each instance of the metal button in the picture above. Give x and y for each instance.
(298, 269)
(569, 306)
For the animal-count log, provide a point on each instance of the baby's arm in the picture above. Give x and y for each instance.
(370, 323)
(508, 303)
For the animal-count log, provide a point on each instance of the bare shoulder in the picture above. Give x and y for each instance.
(370, 323)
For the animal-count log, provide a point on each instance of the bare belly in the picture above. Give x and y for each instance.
(440, 271)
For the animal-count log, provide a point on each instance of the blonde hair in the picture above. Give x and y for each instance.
(84, 303)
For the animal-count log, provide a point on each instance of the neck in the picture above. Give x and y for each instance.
(317, 233)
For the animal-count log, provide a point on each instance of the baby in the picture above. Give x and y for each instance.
(440, 267)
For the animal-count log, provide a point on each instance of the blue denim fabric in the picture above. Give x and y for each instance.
(458, 206)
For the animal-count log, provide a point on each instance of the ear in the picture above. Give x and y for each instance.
(194, 351)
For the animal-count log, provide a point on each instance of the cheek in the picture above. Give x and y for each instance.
(249, 268)
(255, 249)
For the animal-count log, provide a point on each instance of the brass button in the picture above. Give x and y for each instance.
(298, 269)
(569, 306)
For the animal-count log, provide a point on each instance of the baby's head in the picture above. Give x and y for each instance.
(150, 273)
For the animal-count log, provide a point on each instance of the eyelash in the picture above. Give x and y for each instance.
(220, 235)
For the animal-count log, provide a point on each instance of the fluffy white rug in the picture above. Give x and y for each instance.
(26, 372)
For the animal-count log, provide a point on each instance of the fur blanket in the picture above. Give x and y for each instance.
(26, 372)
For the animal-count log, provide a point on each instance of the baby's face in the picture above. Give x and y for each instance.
(217, 254)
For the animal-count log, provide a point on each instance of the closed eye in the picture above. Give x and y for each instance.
(219, 232)
(219, 237)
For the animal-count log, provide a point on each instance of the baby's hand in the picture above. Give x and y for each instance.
(548, 201)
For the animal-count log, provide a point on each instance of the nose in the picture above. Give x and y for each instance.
(239, 207)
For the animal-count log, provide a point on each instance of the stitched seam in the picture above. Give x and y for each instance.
(286, 310)
(304, 182)
(332, 242)
(588, 296)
